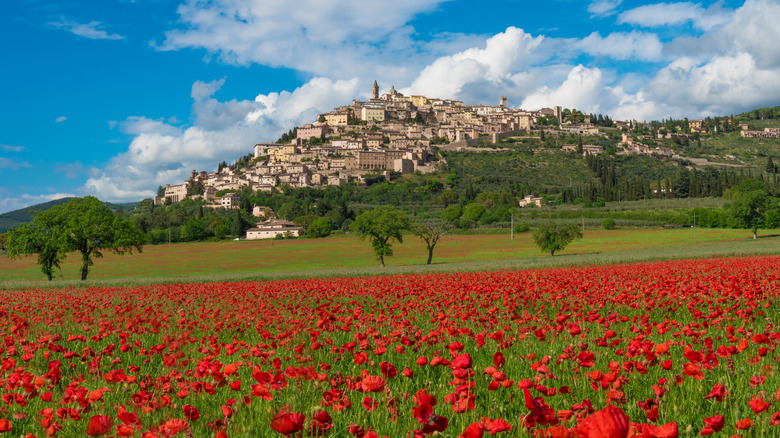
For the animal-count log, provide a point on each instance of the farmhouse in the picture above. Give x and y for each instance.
(271, 228)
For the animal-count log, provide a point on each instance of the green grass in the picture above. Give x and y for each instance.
(347, 255)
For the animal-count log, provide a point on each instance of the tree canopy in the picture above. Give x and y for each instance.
(751, 207)
(381, 225)
(84, 224)
(553, 237)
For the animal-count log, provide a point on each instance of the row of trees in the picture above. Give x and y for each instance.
(384, 225)
(84, 225)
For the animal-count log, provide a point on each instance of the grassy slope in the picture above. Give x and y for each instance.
(349, 255)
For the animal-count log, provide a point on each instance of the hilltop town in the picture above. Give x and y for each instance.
(387, 133)
(396, 134)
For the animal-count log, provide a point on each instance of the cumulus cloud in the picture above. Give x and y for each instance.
(733, 65)
(504, 54)
(89, 30)
(340, 39)
(60, 119)
(161, 153)
(603, 8)
(675, 14)
(622, 45)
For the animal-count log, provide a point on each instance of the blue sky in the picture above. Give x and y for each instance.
(114, 97)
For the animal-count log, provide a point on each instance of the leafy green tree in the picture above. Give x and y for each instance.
(430, 234)
(41, 236)
(381, 225)
(160, 191)
(751, 204)
(320, 227)
(193, 230)
(89, 227)
(452, 214)
(552, 237)
(473, 212)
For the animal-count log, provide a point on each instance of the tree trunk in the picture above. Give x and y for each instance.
(381, 261)
(552, 253)
(430, 255)
(84, 266)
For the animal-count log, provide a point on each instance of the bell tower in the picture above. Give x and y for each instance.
(375, 90)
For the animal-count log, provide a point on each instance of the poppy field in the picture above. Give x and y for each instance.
(657, 349)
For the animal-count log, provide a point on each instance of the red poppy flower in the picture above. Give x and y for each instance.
(669, 430)
(288, 423)
(191, 413)
(718, 393)
(610, 422)
(758, 405)
(372, 384)
(474, 430)
(745, 423)
(495, 426)
(5, 425)
(99, 425)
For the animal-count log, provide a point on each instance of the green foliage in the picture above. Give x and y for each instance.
(521, 227)
(381, 225)
(320, 227)
(472, 212)
(751, 205)
(608, 223)
(193, 230)
(553, 237)
(41, 236)
(452, 214)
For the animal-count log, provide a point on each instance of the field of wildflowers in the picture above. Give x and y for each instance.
(664, 349)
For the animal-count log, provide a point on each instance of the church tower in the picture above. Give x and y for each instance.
(375, 90)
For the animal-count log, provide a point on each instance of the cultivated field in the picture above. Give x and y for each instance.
(345, 254)
(661, 349)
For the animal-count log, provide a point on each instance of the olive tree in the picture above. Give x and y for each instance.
(553, 237)
(381, 225)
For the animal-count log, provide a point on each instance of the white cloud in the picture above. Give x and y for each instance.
(583, 89)
(339, 39)
(11, 203)
(675, 14)
(60, 119)
(87, 30)
(6, 163)
(754, 29)
(603, 8)
(9, 148)
(162, 154)
(504, 54)
(622, 45)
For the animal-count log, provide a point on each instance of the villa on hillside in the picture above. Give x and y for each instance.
(529, 200)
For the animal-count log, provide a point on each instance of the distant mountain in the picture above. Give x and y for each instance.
(25, 215)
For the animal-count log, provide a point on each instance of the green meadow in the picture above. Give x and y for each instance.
(349, 255)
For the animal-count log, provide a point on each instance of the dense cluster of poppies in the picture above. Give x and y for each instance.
(662, 349)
